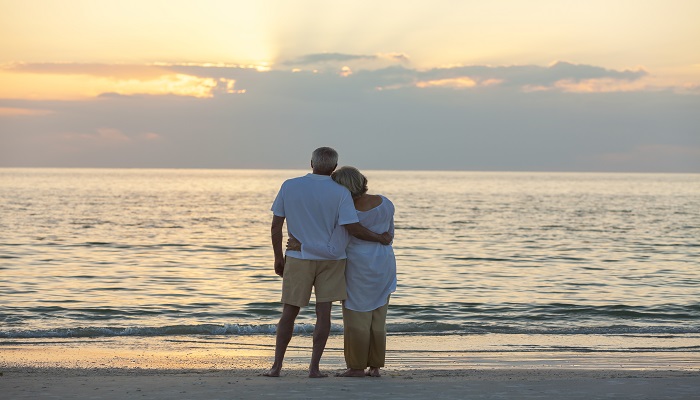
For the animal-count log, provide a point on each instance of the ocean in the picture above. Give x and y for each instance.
(95, 253)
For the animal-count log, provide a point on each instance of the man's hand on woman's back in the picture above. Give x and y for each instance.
(386, 238)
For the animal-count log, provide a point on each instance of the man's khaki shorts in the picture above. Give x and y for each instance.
(327, 277)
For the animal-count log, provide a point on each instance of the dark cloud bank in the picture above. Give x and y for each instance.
(377, 118)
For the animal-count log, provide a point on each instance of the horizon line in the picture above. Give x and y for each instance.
(364, 169)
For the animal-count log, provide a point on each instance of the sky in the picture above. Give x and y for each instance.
(503, 85)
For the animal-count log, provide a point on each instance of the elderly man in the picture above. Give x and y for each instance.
(312, 205)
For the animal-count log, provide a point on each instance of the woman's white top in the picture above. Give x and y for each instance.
(370, 273)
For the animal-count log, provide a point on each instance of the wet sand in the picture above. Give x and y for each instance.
(248, 384)
(231, 368)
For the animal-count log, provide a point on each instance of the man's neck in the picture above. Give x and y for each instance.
(316, 172)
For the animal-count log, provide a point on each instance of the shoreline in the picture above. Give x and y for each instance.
(420, 367)
(404, 352)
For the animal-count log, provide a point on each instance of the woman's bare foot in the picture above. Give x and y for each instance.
(272, 373)
(352, 373)
(315, 373)
(374, 372)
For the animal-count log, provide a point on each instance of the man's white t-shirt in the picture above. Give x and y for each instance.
(313, 206)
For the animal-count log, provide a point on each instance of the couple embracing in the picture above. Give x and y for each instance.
(339, 245)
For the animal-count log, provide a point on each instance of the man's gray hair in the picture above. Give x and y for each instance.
(324, 159)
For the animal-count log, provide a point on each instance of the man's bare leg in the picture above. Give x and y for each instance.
(321, 332)
(285, 330)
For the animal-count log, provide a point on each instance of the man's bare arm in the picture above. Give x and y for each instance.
(276, 234)
(363, 233)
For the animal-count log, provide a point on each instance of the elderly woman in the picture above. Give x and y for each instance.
(370, 276)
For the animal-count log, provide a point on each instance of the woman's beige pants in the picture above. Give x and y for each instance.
(365, 337)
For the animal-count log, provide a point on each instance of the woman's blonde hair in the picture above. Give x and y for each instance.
(351, 178)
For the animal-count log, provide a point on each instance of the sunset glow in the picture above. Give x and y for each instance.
(10, 111)
(455, 83)
(78, 81)
(264, 36)
(320, 67)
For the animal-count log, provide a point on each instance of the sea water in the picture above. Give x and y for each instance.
(135, 252)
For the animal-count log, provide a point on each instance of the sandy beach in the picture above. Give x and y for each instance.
(248, 384)
(188, 368)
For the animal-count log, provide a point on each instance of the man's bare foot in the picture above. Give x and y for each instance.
(374, 372)
(352, 373)
(272, 373)
(315, 373)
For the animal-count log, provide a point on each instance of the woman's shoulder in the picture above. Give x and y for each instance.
(386, 201)
(369, 202)
(386, 206)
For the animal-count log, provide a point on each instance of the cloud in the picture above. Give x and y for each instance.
(15, 111)
(689, 89)
(106, 136)
(310, 59)
(335, 61)
(463, 82)
(102, 136)
(560, 75)
(599, 85)
(70, 145)
(464, 117)
(653, 158)
(369, 72)
(114, 71)
(89, 80)
(564, 70)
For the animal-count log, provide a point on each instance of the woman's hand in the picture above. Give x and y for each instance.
(293, 243)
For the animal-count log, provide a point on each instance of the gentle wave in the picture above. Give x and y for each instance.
(307, 328)
(171, 330)
(525, 313)
(461, 317)
(446, 315)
